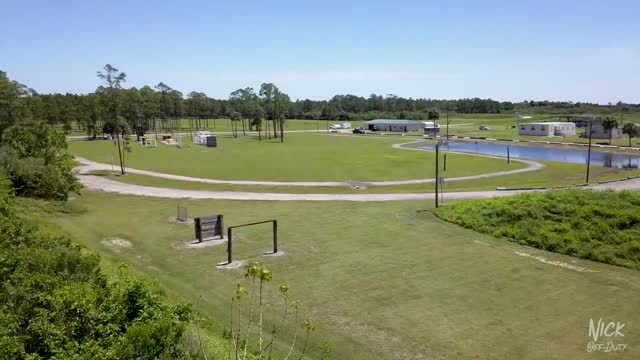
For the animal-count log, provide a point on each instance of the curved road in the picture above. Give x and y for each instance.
(98, 183)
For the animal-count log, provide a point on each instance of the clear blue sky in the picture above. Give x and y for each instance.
(577, 50)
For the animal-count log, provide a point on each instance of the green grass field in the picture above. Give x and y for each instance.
(384, 280)
(302, 157)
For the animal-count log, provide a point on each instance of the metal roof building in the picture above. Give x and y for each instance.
(400, 125)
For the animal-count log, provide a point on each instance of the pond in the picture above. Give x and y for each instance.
(574, 156)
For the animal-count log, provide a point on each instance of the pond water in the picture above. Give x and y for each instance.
(574, 156)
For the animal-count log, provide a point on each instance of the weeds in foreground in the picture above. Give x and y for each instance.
(241, 336)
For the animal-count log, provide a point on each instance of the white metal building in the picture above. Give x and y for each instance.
(201, 137)
(430, 127)
(548, 129)
(400, 125)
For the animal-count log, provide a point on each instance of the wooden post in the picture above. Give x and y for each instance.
(198, 231)
(437, 174)
(589, 151)
(229, 246)
(445, 162)
(275, 236)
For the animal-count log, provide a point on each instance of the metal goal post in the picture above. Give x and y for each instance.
(230, 237)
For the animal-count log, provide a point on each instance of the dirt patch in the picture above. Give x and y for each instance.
(117, 244)
(554, 262)
(234, 265)
(194, 244)
(481, 243)
(391, 344)
(271, 253)
(357, 185)
(174, 220)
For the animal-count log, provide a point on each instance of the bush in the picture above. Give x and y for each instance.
(598, 225)
(35, 159)
(56, 303)
(31, 177)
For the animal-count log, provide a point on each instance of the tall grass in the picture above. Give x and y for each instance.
(598, 225)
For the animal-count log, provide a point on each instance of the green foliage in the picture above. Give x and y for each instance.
(631, 130)
(241, 343)
(55, 302)
(609, 124)
(34, 157)
(597, 225)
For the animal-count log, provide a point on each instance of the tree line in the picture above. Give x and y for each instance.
(265, 108)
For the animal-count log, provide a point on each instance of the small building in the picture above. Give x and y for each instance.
(398, 125)
(581, 121)
(599, 132)
(431, 128)
(548, 129)
(200, 137)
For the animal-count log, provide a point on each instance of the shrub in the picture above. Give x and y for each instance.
(35, 160)
(56, 303)
(598, 225)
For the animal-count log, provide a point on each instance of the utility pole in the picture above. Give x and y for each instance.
(447, 124)
(437, 174)
(589, 151)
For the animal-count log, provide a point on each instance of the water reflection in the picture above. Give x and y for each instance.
(628, 161)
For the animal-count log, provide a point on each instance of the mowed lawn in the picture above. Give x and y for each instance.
(383, 280)
(302, 157)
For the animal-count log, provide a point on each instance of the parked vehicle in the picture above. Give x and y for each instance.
(359, 130)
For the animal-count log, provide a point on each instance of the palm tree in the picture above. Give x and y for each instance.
(631, 130)
(609, 124)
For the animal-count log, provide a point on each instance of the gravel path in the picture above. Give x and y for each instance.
(102, 184)
(98, 183)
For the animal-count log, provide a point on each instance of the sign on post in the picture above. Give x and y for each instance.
(208, 227)
(182, 214)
